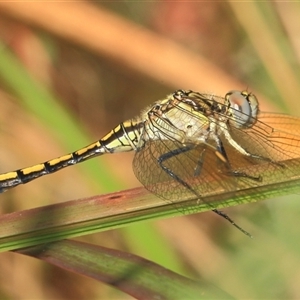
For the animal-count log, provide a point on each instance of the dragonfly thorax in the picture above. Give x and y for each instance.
(174, 119)
(192, 117)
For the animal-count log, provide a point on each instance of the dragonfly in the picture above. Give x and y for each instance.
(190, 144)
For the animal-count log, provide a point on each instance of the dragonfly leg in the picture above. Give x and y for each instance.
(266, 159)
(243, 174)
(223, 215)
(230, 172)
(169, 155)
(179, 151)
(199, 165)
(256, 178)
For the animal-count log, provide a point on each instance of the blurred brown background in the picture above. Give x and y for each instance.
(106, 61)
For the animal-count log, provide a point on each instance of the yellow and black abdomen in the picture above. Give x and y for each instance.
(122, 138)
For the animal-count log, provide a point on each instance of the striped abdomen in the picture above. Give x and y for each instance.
(122, 138)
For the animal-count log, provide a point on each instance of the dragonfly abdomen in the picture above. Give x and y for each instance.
(122, 138)
(22, 176)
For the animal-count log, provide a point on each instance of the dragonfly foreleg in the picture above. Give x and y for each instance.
(221, 153)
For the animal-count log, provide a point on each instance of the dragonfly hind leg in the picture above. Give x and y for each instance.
(198, 168)
(169, 155)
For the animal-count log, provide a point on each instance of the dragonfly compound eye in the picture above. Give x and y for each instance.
(243, 107)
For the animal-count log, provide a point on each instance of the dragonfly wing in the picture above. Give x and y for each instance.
(199, 167)
(273, 136)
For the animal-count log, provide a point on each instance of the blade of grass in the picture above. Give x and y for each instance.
(86, 216)
(131, 274)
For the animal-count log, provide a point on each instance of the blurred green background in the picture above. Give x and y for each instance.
(64, 62)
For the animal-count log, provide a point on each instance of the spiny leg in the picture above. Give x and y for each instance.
(236, 173)
(179, 151)
(222, 155)
(199, 165)
(222, 214)
(246, 154)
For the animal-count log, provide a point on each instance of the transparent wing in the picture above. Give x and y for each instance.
(188, 175)
(273, 136)
(178, 172)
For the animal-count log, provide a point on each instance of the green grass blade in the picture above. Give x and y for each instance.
(86, 216)
(131, 274)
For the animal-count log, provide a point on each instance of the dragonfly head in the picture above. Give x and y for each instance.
(243, 107)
